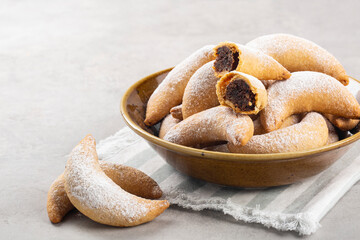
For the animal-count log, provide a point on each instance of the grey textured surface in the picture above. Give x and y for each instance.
(65, 65)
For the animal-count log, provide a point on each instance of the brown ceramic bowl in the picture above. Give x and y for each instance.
(242, 170)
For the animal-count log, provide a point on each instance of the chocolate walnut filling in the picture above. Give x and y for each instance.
(226, 59)
(240, 94)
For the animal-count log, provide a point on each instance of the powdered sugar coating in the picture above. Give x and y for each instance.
(130, 179)
(299, 54)
(255, 62)
(306, 92)
(97, 196)
(200, 92)
(170, 91)
(311, 132)
(215, 124)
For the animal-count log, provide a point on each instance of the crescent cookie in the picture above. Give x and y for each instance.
(298, 54)
(307, 92)
(200, 92)
(168, 122)
(96, 196)
(344, 124)
(310, 133)
(243, 93)
(170, 91)
(231, 56)
(130, 179)
(212, 125)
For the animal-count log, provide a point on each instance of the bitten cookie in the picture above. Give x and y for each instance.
(200, 92)
(243, 93)
(212, 125)
(130, 179)
(310, 133)
(170, 91)
(306, 92)
(298, 54)
(98, 197)
(231, 56)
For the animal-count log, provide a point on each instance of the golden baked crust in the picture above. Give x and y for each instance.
(58, 204)
(306, 92)
(298, 54)
(231, 56)
(242, 92)
(170, 91)
(98, 197)
(168, 122)
(200, 92)
(212, 125)
(344, 124)
(311, 132)
(176, 112)
(130, 179)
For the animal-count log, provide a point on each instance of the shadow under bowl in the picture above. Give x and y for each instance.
(231, 169)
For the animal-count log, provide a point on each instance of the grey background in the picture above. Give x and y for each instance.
(64, 66)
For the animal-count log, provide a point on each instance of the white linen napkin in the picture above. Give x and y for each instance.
(298, 207)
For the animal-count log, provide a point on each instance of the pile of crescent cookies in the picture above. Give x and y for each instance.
(278, 93)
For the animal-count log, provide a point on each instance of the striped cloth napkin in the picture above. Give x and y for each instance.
(298, 207)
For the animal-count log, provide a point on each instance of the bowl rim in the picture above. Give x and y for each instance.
(237, 157)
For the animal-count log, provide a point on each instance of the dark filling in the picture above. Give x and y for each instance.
(226, 60)
(240, 94)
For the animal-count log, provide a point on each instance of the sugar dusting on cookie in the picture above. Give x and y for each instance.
(215, 124)
(311, 132)
(308, 91)
(170, 91)
(200, 92)
(299, 54)
(90, 186)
